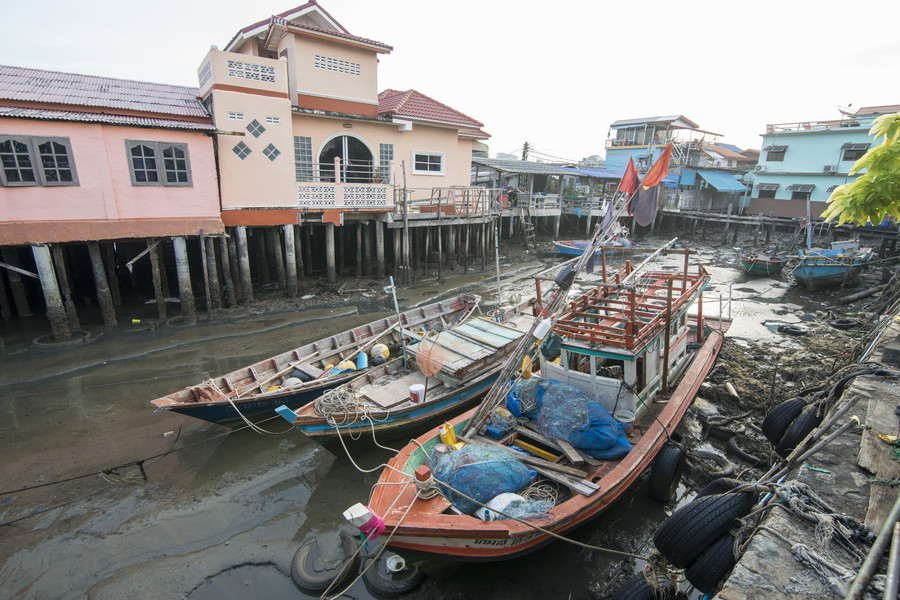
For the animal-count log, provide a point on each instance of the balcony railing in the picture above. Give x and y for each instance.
(344, 185)
(456, 201)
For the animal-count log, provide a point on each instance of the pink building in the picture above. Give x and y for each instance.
(89, 160)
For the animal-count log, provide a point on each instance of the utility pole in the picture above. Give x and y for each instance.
(525, 148)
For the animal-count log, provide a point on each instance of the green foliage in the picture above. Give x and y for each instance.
(875, 194)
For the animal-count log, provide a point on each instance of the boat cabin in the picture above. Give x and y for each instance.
(623, 341)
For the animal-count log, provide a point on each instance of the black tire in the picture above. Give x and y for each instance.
(665, 474)
(719, 486)
(802, 426)
(845, 324)
(780, 418)
(638, 588)
(741, 453)
(312, 579)
(791, 330)
(381, 582)
(695, 526)
(713, 565)
(727, 469)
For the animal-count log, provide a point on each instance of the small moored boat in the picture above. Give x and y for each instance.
(820, 269)
(301, 375)
(577, 247)
(763, 263)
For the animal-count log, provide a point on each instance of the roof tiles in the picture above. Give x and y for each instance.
(416, 105)
(89, 117)
(52, 87)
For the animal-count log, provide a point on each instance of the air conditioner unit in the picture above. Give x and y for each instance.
(829, 168)
(760, 168)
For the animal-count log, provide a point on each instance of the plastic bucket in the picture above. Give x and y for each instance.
(416, 393)
(623, 416)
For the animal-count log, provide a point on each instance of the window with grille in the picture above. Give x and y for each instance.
(271, 152)
(245, 70)
(854, 151)
(336, 65)
(303, 164)
(256, 128)
(428, 163)
(242, 150)
(273, 120)
(158, 163)
(38, 161)
(236, 116)
(775, 153)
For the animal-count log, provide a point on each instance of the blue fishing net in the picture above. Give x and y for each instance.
(479, 472)
(564, 412)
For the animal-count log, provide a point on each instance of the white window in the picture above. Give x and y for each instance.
(158, 163)
(236, 116)
(45, 161)
(273, 120)
(428, 163)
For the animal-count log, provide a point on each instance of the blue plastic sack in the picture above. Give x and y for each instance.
(479, 472)
(567, 413)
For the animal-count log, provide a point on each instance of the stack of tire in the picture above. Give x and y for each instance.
(789, 423)
(696, 537)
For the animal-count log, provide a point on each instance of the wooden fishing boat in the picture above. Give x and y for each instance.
(577, 247)
(622, 343)
(820, 269)
(453, 370)
(299, 376)
(765, 263)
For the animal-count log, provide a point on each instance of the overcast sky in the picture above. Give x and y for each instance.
(555, 74)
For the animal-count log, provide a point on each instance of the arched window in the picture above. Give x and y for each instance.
(356, 160)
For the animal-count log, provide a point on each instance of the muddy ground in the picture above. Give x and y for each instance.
(222, 515)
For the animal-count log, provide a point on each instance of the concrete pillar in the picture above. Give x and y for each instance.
(212, 273)
(233, 264)
(109, 261)
(227, 281)
(185, 292)
(16, 285)
(104, 296)
(56, 313)
(290, 260)
(379, 250)
(244, 263)
(329, 253)
(555, 228)
(62, 276)
(157, 280)
(261, 252)
(307, 250)
(367, 248)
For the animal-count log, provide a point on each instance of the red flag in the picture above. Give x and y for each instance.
(659, 170)
(629, 180)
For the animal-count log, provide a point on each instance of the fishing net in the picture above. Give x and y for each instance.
(479, 472)
(564, 412)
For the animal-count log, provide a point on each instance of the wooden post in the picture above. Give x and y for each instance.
(397, 251)
(244, 263)
(665, 373)
(109, 259)
(700, 319)
(62, 275)
(466, 250)
(185, 292)
(687, 252)
(205, 270)
(759, 224)
(367, 247)
(359, 244)
(234, 265)
(339, 250)
(5, 308)
(427, 250)
(727, 227)
(771, 228)
(56, 313)
(451, 247)
(16, 285)
(298, 252)
(212, 270)
(440, 253)
(379, 250)
(104, 297)
(157, 285)
(290, 260)
(307, 249)
(330, 270)
(227, 281)
(278, 255)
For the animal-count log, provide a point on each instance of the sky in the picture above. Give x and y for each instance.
(554, 74)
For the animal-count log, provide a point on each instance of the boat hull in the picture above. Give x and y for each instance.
(816, 277)
(752, 265)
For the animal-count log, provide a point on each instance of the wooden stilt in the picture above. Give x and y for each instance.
(359, 243)
(379, 250)
(233, 264)
(56, 313)
(298, 249)
(290, 260)
(340, 250)
(330, 270)
(212, 273)
(227, 281)
(468, 229)
(397, 252)
(244, 263)
(307, 250)
(451, 247)
(367, 247)
(62, 276)
(278, 256)
(440, 252)
(427, 235)
(5, 307)
(157, 286)
(16, 284)
(109, 261)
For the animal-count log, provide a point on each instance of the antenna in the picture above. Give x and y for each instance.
(846, 110)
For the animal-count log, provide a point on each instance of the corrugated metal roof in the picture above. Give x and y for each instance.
(86, 117)
(412, 104)
(679, 120)
(518, 166)
(597, 173)
(53, 87)
(724, 182)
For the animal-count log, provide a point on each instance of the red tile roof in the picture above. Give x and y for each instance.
(346, 36)
(52, 87)
(887, 109)
(89, 117)
(419, 107)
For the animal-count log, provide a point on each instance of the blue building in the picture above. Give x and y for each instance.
(808, 160)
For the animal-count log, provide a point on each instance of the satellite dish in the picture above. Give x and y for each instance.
(846, 110)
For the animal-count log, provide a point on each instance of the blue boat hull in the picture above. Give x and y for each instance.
(824, 272)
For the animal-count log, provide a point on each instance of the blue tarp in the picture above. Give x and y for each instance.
(688, 177)
(671, 181)
(723, 182)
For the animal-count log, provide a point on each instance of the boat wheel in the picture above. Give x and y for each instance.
(313, 571)
(391, 576)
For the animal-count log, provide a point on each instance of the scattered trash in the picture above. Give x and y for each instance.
(307, 296)
(168, 434)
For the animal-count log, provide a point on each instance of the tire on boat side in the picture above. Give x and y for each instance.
(665, 474)
(380, 581)
(780, 418)
(695, 526)
(312, 580)
(713, 565)
(639, 588)
(802, 426)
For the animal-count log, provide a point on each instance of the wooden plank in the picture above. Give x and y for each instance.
(396, 392)
(570, 452)
(535, 450)
(525, 431)
(532, 460)
(572, 484)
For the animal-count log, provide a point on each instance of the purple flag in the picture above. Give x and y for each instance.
(607, 218)
(644, 204)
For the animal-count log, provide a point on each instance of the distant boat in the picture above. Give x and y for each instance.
(821, 269)
(301, 375)
(577, 247)
(763, 263)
